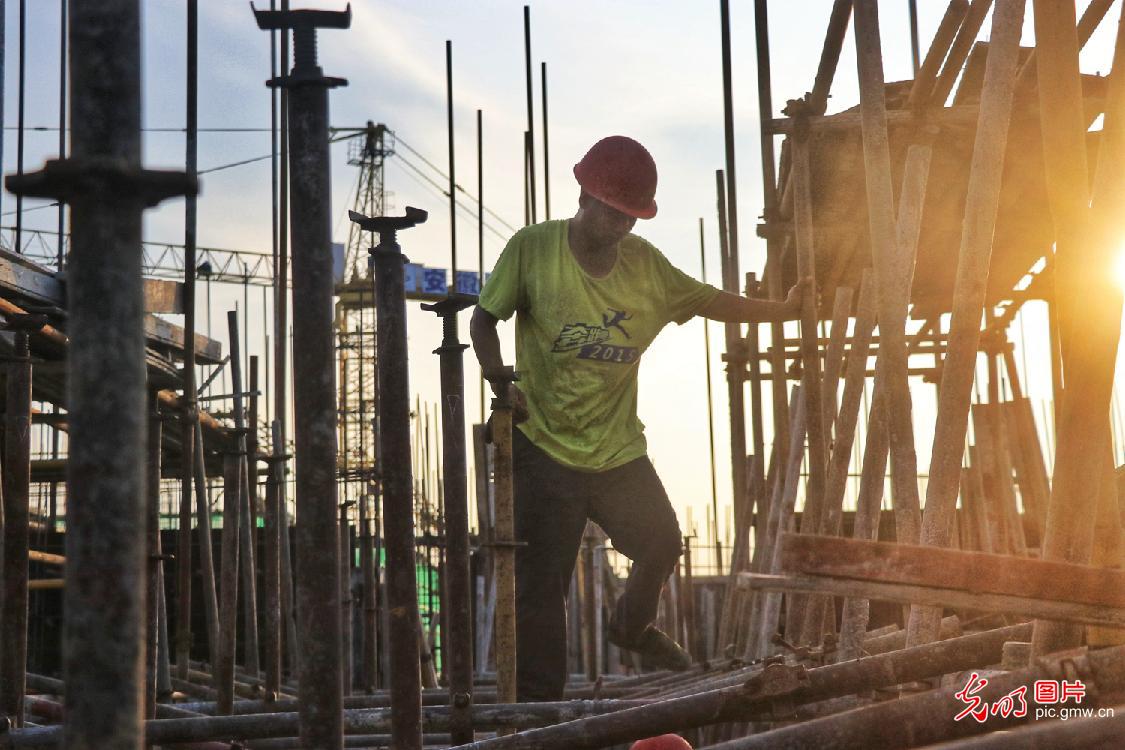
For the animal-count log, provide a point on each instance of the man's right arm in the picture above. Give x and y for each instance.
(486, 342)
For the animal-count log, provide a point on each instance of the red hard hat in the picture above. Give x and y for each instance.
(663, 742)
(620, 172)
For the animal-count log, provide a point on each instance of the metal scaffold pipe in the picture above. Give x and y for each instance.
(458, 604)
(189, 420)
(246, 535)
(314, 376)
(17, 477)
(398, 490)
(103, 633)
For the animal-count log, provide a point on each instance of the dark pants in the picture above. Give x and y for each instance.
(552, 503)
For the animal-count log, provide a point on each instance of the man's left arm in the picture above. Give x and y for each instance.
(732, 308)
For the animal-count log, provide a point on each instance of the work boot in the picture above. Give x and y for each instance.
(654, 645)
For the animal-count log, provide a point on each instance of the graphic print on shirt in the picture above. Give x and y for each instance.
(591, 340)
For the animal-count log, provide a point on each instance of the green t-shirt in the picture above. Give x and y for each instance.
(579, 339)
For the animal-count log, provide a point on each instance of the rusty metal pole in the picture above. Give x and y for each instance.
(247, 568)
(370, 605)
(189, 424)
(398, 491)
(345, 600)
(314, 376)
(103, 635)
(736, 350)
(155, 565)
(458, 639)
(755, 697)
(773, 274)
(228, 585)
(272, 566)
(16, 484)
(589, 609)
(206, 553)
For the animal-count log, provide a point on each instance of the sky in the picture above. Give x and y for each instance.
(650, 70)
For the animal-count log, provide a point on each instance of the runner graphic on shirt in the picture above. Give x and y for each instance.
(590, 339)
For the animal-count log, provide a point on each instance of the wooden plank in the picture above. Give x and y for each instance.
(767, 609)
(24, 278)
(959, 52)
(810, 350)
(1089, 354)
(845, 435)
(1107, 543)
(856, 611)
(160, 332)
(893, 296)
(810, 355)
(962, 115)
(1027, 460)
(854, 382)
(938, 598)
(971, 572)
(926, 76)
(834, 357)
(990, 533)
(999, 498)
(974, 256)
(163, 296)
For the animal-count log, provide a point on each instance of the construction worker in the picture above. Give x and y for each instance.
(590, 298)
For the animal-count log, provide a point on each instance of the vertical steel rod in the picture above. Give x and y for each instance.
(206, 554)
(245, 534)
(16, 487)
(480, 225)
(190, 422)
(735, 355)
(103, 635)
(370, 665)
(915, 51)
(530, 111)
(271, 573)
(314, 403)
(452, 166)
(155, 565)
(21, 76)
(546, 152)
(398, 495)
(345, 600)
(710, 411)
(457, 606)
(3, 57)
(773, 278)
(228, 585)
(281, 274)
(61, 250)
